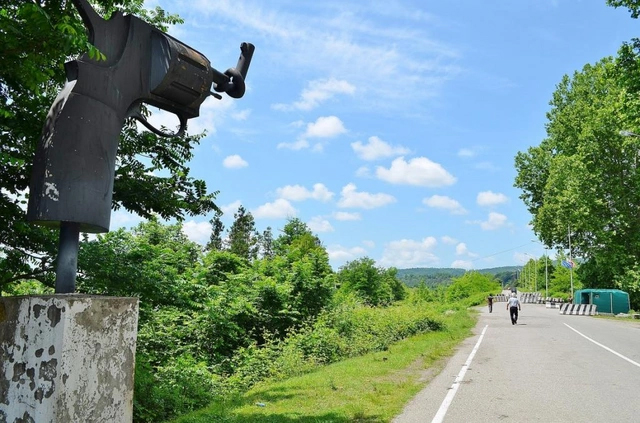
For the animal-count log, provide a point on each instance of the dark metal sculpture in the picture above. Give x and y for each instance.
(72, 180)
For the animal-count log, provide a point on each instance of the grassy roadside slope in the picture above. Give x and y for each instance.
(369, 389)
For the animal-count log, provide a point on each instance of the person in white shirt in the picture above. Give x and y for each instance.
(513, 305)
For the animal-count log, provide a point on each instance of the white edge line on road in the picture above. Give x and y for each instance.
(442, 411)
(605, 347)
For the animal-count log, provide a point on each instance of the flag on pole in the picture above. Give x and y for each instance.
(568, 264)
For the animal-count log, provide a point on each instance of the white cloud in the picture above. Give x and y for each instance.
(363, 172)
(300, 193)
(448, 240)
(231, 208)
(461, 249)
(353, 199)
(124, 219)
(342, 254)
(490, 198)
(234, 162)
(279, 209)
(319, 224)
(419, 171)
(369, 244)
(495, 221)
(446, 203)
(317, 92)
(409, 253)
(349, 43)
(325, 127)
(462, 264)
(377, 149)
(197, 231)
(297, 145)
(344, 216)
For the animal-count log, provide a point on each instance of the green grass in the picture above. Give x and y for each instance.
(629, 319)
(369, 389)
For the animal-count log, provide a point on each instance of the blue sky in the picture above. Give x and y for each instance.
(391, 127)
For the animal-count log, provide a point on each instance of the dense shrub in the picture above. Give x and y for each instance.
(470, 287)
(165, 392)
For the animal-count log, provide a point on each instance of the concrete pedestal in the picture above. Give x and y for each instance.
(67, 358)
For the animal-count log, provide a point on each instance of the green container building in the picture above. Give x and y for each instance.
(611, 301)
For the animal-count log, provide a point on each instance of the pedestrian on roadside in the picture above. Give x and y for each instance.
(513, 305)
(490, 302)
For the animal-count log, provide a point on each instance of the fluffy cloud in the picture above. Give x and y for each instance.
(325, 127)
(490, 198)
(461, 249)
(377, 149)
(279, 209)
(495, 221)
(341, 254)
(123, 219)
(319, 224)
(446, 203)
(300, 193)
(449, 240)
(197, 231)
(410, 253)
(363, 172)
(364, 200)
(295, 146)
(317, 92)
(419, 171)
(231, 208)
(234, 162)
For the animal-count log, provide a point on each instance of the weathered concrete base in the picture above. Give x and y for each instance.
(67, 358)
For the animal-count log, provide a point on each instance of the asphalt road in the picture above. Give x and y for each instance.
(540, 370)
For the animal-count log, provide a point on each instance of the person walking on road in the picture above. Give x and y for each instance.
(513, 305)
(490, 302)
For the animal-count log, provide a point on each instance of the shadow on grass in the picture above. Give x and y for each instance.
(319, 418)
(256, 408)
(276, 394)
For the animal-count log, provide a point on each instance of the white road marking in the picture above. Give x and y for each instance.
(444, 407)
(605, 347)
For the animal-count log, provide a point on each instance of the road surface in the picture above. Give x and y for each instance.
(547, 368)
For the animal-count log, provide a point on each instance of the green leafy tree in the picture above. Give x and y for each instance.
(217, 230)
(243, 237)
(560, 279)
(294, 229)
(218, 266)
(472, 285)
(374, 285)
(266, 243)
(37, 38)
(632, 5)
(630, 283)
(584, 179)
(154, 262)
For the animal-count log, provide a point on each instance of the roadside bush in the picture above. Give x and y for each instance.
(165, 392)
(471, 284)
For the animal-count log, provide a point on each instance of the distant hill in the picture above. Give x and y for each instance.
(434, 276)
